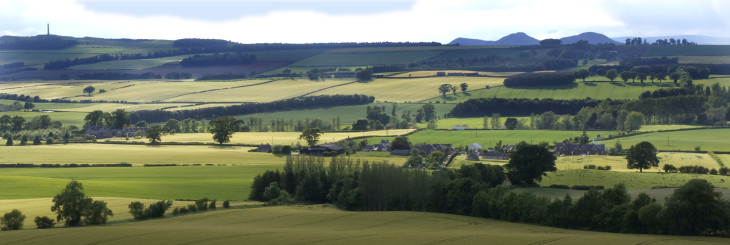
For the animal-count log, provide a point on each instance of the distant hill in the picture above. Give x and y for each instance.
(591, 37)
(514, 39)
(702, 40)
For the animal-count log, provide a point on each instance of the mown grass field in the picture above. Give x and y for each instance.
(433, 73)
(488, 138)
(411, 90)
(327, 225)
(579, 90)
(706, 139)
(42, 207)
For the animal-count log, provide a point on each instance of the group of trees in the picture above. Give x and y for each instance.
(37, 42)
(72, 206)
(477, 190)
(671, 41)
(18, 123)
(216, 45)
(281, 105)
(377, 117)
(117, 119)
(521, 107)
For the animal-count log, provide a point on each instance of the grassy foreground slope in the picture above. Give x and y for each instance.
(327, 225)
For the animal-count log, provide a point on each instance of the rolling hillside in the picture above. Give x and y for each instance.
(327, 225)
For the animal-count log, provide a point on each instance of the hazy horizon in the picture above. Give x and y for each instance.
(296, 21)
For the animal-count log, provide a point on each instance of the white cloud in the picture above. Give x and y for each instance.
(427, 20)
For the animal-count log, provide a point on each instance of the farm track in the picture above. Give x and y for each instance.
(323, 89)
(211, 90)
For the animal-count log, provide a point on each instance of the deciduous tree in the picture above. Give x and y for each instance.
(529, 163)
(222, 129)
(154, 134)
(89, 90)
(311, 135)
(641, 156)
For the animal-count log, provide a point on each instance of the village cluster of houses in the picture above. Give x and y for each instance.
(99, 132)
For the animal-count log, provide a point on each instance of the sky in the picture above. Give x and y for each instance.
(308, 21)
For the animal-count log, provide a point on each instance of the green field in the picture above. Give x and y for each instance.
(347, 114)
(88, 47)
(327, 225)
(341, 58)
(489, 138)
(706, 139)
(66, 118)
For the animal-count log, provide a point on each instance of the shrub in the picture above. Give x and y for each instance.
(587, 187)
(723, 171)
(226, 204)
(154, 210)
(97, 213)
(202, 204)
(192, 208)
(12, 220)
(176, 211)
(212, 205)
(713, 171)
(669, 168)
(589, 166)
(559, 186)
(44, 222)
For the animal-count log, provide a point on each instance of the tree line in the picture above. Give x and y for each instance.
(281, 105)
(217, 45)
(540, 79)
(521, 107)
(477, 190)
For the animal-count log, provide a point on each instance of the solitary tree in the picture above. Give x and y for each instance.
(582, 74)
(641, 156)
(154, 134)
(70, 204)
(28, 106)
(444, 88)
(311, 135)
(529, 163)
(364, 75)
(464, 86)
(89, 90)
(222, 129)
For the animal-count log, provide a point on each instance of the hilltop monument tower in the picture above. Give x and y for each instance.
(48, 29)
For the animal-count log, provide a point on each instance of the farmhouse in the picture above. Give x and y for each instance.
(428, 148)
(475, 147)
(102, 132)
(472, 157)
(382, 146)
(264, 148)
(319, 150)
(459, 128)
(400, 152)
(495, 155)
(568, 149)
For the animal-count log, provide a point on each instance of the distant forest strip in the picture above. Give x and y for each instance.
(218, 59)
(37, 42)
(217, 45)
(281, 105)
(522, 107)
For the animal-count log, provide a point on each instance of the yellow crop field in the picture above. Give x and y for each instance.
(277, 90)
(275, 138)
